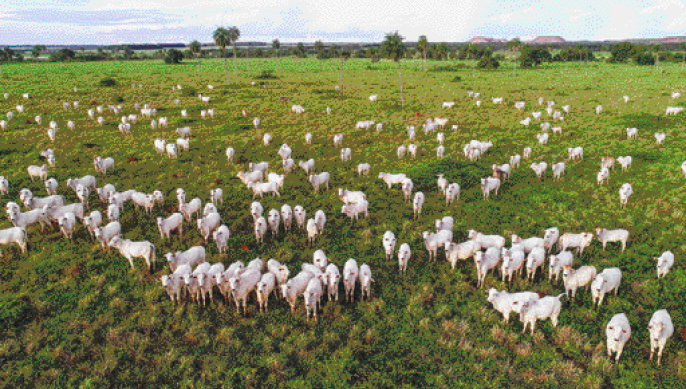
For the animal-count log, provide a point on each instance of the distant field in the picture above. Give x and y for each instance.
(73, 315)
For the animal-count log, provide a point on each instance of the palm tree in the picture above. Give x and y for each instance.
(276, 45)
(656, 50)
(343, 55)
(319, 47)
(422, 45)
(514, 45)
(443, 50)
(234, 35)
(222, 38)
(394, 49)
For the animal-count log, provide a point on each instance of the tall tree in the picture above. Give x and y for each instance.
(682, 46)
(656, 49)
(234, 35)
(393, 48)
(195, 47)
(300, 50)
(443, 50)
(422, 46)
(514, 44)
(342, 55)
(276, 45)
(37, 50)
(318, 47)
(222, 38)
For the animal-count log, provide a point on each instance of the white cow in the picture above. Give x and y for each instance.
(605, 282)
(618, 332)
(661, 329)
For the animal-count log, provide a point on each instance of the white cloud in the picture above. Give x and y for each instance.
(110, 21)
(507, 17)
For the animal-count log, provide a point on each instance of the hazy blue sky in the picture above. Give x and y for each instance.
(139, 21)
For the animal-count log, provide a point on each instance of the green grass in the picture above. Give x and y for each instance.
(73, 315)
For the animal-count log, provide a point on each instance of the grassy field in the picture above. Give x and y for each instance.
(73, 315)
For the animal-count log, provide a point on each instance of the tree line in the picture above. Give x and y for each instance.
(527, 56)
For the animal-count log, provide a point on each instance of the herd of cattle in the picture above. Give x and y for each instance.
(192, 276)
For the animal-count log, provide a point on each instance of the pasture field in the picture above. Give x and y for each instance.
(74, 315)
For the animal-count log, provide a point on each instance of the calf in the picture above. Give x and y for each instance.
(664, 263)
(661, 329)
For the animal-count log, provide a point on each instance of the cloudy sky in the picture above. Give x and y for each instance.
(157, 21)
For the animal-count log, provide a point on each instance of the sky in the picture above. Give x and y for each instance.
(155, 21)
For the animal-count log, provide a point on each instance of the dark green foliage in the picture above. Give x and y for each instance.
(456, 79)
(107, 82)
(449, 68)
(393, 47)
(300, 50)
(644, 59)
(62, 55)
(578, 53)
(488, 62)
(195, 47)
(533, 56)
(267, 74)
(622, 52)
(173, 56)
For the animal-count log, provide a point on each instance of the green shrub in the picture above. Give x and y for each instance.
(449, 68)
(456, 79)
(119, 99)
(267, 74)
(488, 62)
(644, 59)
(108, 82)
(173, 57)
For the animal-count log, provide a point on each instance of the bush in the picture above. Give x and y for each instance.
(119, 99)
(108, 82)
(449, 68)
(488, 62)
(527, 63)
(622, 51)
(267, 75)
(530, 56)
(456, 79)
(644, 59)
(173, 57)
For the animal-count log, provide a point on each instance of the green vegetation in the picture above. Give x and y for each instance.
(533, 55)
(173, 56)
(74, 315)
(107, 82)
(488, 62)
